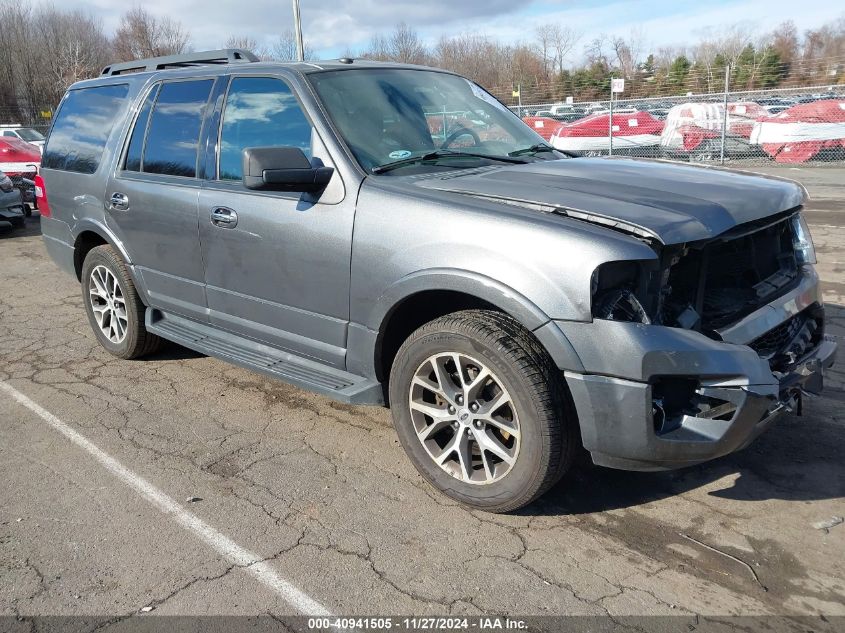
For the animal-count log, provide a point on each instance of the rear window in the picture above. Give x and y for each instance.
(82, 127)
(174, 128)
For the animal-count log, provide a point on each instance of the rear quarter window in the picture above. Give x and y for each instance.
(82, 128)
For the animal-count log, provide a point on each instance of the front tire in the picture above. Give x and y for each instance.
(482, 411)
(115, 311)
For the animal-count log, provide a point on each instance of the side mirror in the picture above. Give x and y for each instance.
(282, 169)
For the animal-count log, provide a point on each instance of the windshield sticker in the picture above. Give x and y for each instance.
(483, 95)
(399, 154)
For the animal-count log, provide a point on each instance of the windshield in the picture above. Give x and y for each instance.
(28, 134)
(391, 115)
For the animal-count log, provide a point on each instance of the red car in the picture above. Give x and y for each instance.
(20, 161)
(544, 126)
(18, 157)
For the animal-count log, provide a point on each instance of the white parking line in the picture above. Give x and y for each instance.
(222, 544)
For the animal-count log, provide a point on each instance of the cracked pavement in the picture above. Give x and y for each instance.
(324, 492)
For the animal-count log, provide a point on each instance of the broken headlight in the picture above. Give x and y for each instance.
(616, 289)
(802, 241)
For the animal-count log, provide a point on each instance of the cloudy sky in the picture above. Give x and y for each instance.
(333, 26)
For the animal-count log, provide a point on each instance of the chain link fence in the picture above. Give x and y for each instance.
(802, 125)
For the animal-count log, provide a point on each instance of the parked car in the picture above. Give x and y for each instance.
(544, 126)
(566, 108)
(11, 204)
(508, 302)
(693, 131)
(569, 117)
(27, 134)
(20, 161)
(807, 131)
(634, 134)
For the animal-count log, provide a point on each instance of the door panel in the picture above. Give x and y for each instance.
(152, 200)
(281, 275)
(280, 272)
(159, 231)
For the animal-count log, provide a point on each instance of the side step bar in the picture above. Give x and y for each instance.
(284, 366)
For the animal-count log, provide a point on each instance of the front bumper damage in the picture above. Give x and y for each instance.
(718, 396)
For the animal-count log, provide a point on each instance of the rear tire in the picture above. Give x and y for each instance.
(534, 433)
(114, 309)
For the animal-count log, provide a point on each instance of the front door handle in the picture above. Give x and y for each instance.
(119, 201)
(224, 218)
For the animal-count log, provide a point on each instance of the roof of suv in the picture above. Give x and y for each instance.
(183, 65)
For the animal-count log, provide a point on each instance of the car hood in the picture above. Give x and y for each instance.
(670, 202)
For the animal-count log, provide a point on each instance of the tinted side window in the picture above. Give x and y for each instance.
(174, 129)
(260, 112)
(139, 132)
(82, 127)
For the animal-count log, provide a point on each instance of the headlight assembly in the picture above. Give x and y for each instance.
(616, 287)
(802, 241)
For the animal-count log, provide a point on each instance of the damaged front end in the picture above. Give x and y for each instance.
(707, 285)
(753, 287)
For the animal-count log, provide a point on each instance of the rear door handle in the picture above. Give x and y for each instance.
(119, 201)
(224, 218)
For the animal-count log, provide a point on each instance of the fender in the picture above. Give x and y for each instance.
(464, 281)
(93, 225)
(485, 288)
(96, 226)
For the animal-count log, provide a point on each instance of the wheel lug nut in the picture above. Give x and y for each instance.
(477, 424)
(454, 425)
(469, 431)
(451, 409)
(473, 407)
(459, 399)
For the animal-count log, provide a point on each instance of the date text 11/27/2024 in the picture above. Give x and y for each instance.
(405, 623)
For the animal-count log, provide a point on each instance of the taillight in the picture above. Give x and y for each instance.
(41, 197)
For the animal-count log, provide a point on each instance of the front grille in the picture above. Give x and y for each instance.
(728, 278)
(784, 345)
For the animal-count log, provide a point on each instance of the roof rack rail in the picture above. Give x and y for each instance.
(222, 56)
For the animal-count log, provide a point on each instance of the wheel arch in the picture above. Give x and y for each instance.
(89, 234)
(426, 295)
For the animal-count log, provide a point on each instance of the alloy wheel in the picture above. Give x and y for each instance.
(464, 417)
(108, 304)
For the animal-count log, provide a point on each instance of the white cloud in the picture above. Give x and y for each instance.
(332, 27)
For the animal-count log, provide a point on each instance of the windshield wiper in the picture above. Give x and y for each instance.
(442, 153)
(536, 149)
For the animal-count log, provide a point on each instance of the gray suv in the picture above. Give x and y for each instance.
(392, 234)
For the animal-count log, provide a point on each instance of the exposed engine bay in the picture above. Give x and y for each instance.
(711, 284)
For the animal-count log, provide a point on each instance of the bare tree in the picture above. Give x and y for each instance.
(75, 48)
(284, 48)
(141, 35)
(544, 38)
(733, 40)
(628, 51)
(406, 46)
(563, 39)
(248, 43)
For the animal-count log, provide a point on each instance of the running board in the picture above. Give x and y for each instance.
(249, 354)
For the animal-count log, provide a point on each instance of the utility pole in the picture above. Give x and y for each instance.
(297, 27)
(610, 122)
(725, 114)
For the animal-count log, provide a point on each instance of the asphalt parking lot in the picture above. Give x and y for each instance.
(231, 494)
